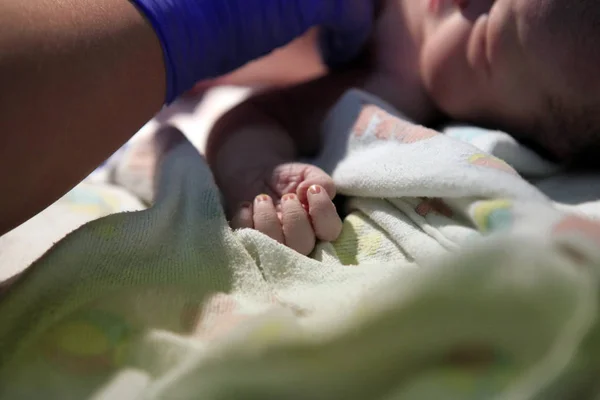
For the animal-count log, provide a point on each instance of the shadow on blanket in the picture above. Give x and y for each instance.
(169, 303)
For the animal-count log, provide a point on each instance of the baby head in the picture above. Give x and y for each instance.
(527, 66)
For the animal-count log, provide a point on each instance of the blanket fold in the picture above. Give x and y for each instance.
(453, 278)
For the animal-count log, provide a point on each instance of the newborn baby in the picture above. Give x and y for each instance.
(524, 66)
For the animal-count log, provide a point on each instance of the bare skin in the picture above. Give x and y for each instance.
(482, 61)
(254, 149)
(68, 70)
(297, 62)
(69, 121)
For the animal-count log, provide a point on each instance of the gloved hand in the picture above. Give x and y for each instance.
(203, 39)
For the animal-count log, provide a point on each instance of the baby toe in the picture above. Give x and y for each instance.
(325, 220)
(316, 176)
(265, 218)
(297, 229)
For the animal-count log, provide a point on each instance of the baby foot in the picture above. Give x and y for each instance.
(291, 203)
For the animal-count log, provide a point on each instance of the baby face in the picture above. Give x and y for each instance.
(498, 61)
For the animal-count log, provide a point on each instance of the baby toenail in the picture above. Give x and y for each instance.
(246, 204)
(315, 189)
(262, 198)
(289, 197)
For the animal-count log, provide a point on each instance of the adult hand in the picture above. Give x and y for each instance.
(207, 38)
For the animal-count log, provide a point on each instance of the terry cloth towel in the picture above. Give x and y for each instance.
(169, 303)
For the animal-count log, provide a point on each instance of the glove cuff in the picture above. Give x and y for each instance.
(153, 12)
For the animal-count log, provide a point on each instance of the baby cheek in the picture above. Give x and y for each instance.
(446, 73)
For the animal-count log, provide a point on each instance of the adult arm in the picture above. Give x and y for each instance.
(77, 79)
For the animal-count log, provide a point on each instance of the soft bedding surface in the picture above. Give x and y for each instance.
(454, 277)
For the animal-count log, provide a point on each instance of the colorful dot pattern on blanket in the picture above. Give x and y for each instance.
(88, 343)
(172, 303)
(453, 383)
(467, 134)
(574, 225)
(220, 314)
(362, 241)
(474, 373)
(493, 215)
(487, 161)
(87, 199)
(373, 121)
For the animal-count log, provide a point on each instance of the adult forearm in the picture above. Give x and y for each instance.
(77, 79)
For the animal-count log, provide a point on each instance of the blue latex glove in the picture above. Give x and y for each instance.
(204, 39)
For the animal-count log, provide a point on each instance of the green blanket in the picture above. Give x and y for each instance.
(169, 303)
